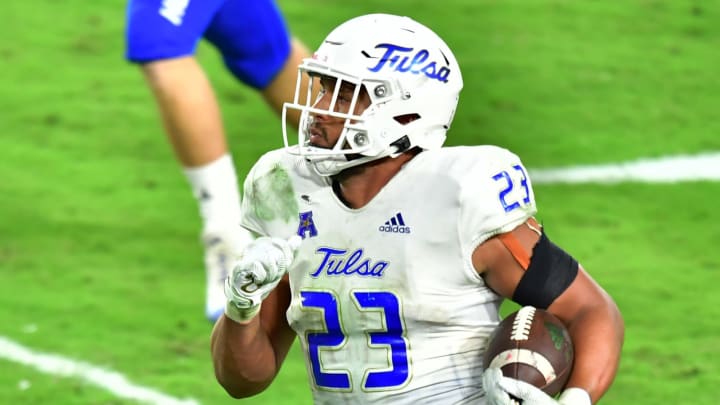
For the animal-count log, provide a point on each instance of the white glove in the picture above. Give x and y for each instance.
(502, 390)
(261, 267)
(493, 393)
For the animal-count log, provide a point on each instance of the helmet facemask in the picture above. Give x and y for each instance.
(355, 144)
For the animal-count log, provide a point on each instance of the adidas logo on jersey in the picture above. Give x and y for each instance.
(396, 224)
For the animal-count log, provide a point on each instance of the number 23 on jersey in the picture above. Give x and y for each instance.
(392, 339)
(514, 191)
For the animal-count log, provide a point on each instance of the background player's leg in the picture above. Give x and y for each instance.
(260, 52)
(193, 124)
(162, 39)
(282, 87)
(189, 110)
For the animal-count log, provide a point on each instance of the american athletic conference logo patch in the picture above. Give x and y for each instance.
(306, 228)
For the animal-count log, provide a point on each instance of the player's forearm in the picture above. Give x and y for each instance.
(243, 357)
(598, 335)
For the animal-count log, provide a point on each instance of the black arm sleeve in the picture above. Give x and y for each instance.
(550, 273)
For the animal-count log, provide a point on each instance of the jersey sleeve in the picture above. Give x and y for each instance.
(496, 196)
(269, 205)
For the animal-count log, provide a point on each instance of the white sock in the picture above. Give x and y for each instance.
(216, 190)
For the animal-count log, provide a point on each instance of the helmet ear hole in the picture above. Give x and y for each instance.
(406, 118)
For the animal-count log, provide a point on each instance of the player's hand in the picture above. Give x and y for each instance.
(494, 394)
(261, 267)
(502, 390)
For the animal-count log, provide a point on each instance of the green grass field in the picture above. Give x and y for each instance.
(100, 260)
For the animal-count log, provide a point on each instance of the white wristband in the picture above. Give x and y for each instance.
(575, 396)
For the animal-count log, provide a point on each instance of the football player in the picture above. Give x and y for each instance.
(253, 39)
(388, 255)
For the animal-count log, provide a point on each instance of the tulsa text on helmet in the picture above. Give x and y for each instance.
(399, 58)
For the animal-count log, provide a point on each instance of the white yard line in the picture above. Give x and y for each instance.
(111, 381)
(668, 169)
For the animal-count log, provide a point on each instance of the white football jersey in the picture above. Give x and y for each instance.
(385, 300)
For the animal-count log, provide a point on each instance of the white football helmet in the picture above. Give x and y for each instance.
(406, 69)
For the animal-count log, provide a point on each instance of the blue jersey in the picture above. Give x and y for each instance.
(251, 35)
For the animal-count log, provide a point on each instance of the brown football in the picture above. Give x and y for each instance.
(534, 346)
